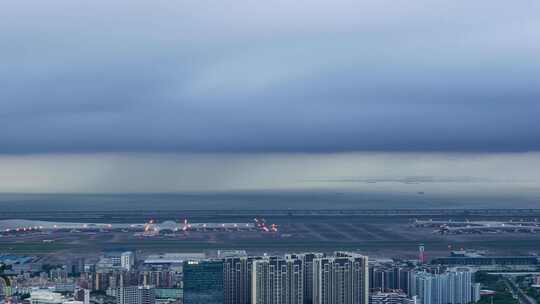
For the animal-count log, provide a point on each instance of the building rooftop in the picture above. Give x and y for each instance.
(173, 258)
(48, 296)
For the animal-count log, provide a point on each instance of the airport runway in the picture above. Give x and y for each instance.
(378, 235)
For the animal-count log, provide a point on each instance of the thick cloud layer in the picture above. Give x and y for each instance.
(287, 76)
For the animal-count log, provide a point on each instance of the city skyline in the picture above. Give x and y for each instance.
(269, 152)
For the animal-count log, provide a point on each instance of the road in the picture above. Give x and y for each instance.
(522, 296)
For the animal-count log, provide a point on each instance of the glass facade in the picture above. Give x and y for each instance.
(203, 282)
(169, 293)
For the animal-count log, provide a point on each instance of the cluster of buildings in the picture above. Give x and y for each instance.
(394, 282)
(453, 287)
(233, 277)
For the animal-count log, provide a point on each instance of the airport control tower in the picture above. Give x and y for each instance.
(421, 254)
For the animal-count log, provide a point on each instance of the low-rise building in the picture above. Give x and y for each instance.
(391, 298)
(45, 296)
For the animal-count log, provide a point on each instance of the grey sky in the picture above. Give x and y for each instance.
(271, 76)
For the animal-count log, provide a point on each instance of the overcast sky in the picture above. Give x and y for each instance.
(243, 77)
(302, 76)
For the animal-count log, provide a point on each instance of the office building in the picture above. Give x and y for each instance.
(277, 280)
(136, 295)
(127, 260)
(203, 282)
(342, 279)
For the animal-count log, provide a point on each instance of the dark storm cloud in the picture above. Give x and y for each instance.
(244, 76)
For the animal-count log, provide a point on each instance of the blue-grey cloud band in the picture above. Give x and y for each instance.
(280, 76)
